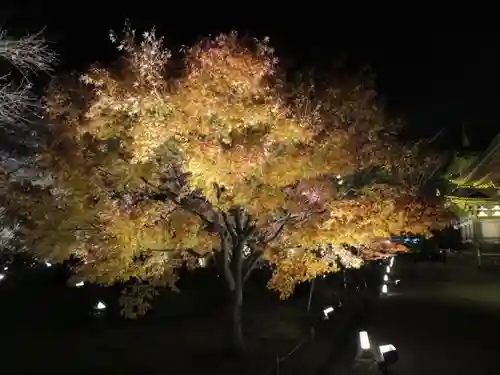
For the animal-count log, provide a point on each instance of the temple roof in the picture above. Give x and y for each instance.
(484, 171)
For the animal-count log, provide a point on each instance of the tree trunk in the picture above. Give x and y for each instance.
(312, 331)
(311, 291)
(238, 297)
(237, 316)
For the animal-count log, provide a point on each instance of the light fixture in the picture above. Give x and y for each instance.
(397, 282)
(389, 355)
(388, 269)
(48, 264)
(384, 289)
(364, 340)
(100, 306)
(327, 311)
(391, 262)
(386, 277)
(2, 276)
(386, 348)
(79, 284)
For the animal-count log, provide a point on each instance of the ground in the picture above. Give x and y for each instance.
(443, 319)
(186, 333)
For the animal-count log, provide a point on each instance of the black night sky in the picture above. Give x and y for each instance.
(434, 80)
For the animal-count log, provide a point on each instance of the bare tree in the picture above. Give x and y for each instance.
(21, 122)
(23, 59)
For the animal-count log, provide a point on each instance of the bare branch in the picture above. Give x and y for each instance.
(16, 101)
(29, 54)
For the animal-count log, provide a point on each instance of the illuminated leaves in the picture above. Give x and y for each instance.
(292, 268)
(146, 160)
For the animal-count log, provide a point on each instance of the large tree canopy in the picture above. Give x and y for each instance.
(156, 162)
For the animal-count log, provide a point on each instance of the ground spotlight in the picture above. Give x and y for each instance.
(327, 311)
(364, 340)
(389, 355)
(99, 310)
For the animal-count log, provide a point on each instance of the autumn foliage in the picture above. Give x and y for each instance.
(152, 167)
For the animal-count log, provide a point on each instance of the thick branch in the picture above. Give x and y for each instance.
(281, 222)
(192, 204)
(254, 261)
(227, 267)
(237, 220)
(230, 228)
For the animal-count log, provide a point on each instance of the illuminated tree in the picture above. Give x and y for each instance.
(155, 168)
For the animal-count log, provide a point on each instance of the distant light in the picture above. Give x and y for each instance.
(48, 264)
(341, 182)
(79, 284)
(5, 268)
(100, 306)
(364, 340)
(339, 177)
(2, 276)
(384, 289)
(388, 269)
(386, 277)
(387, 348)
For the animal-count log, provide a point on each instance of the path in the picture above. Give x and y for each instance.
(444, 319)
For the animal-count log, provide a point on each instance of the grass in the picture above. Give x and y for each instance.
(195, 346)
(184, 335)
(187, 333)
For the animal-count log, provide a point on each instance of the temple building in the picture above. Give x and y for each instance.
(474, 197)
